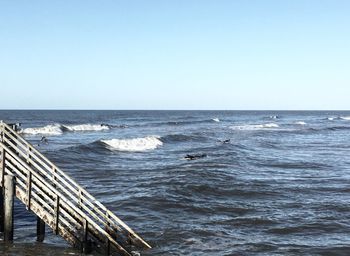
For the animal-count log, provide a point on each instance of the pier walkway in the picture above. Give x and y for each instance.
(57, 200)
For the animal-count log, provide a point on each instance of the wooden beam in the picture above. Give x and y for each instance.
(56, 212)
(9, 185)
(40, 229)
(2, 173)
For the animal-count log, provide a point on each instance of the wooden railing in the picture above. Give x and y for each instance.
(58, 200)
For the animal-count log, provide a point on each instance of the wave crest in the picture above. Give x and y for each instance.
(86, 127)
(250, 127)
(59, 129)
(51, 129)
(134, 145)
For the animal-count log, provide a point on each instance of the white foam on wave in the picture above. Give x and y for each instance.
(331, 118)
(300, 123)
(134, 145)
(345, 118)
(255, 126)
(58, 129)
(51, 129)
(216, 119)
(86, 127)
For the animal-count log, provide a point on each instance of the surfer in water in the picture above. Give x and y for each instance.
(43, 140)
(114, 126)
(194, 157)
(225, 141)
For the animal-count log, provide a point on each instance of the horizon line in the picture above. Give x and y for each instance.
(58, 109)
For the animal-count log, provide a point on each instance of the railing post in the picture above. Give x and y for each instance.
(29, 189)
(40, 229)
(85, 241)
(56, 209)
(2, 172)
(2, 166)
(9, 186)
(108, 246)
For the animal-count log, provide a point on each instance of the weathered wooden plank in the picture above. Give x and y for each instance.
(29, 189)
(2, 166)
(57, 214)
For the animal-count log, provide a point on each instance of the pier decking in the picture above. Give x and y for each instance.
(57, 200)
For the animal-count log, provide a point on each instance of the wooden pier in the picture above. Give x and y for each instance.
(57, 200)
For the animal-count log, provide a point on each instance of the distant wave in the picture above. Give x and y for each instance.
(250, 127)
(58, 129)
(336, 128)
(272, 117)
(182, 138)
(332, 118)
(300, 123)
(135, 144)
(181, 122)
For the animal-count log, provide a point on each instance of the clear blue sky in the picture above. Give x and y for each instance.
(178, 54)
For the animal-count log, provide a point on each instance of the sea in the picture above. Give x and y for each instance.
(202, 182)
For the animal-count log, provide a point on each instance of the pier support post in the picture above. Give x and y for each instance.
(85, 243)
(40, 230)
(1, 209)
(9, 187)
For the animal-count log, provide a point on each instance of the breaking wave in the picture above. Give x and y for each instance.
(134, 145)
(58, 129)
(51, 129)
(250, 127)
(300, 123)
(216, 119)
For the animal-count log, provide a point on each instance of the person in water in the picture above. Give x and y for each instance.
(43, 140)
(194, 157)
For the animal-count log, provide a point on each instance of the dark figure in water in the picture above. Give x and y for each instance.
(194, 157)
(43, 140)
(226, 141)
(114, 126)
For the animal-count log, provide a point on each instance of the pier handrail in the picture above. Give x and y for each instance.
(58, 184)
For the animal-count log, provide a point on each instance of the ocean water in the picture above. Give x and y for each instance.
(266, 183)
